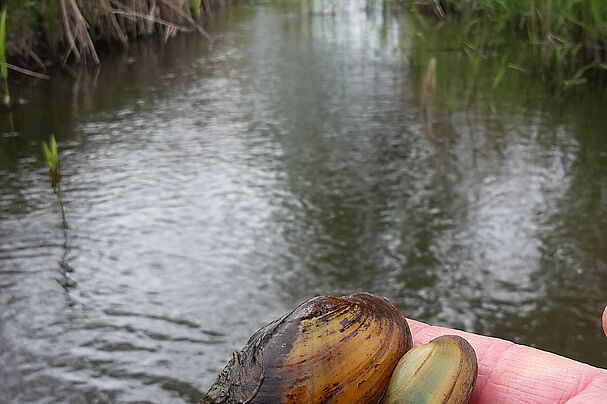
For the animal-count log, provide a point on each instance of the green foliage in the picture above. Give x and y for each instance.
(52, 159)
(562, 41)
(33, 25)
(33, 10)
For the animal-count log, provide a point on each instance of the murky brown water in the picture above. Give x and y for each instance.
(210, 187)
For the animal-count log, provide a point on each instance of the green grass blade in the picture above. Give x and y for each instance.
(51, 157)
(195, 8)
(53, 146)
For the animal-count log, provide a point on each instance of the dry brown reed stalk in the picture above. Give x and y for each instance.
(27, 72)
(4, 93)
(108, 24)
(206, 6)
(77, 33)
(181, 10)
(167, 17)
(30, 53)
(136, 17)
(167, 28)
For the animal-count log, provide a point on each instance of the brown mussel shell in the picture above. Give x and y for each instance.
(329, 349)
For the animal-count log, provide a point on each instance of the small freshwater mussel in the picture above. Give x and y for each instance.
(441, 371)
(344, 350)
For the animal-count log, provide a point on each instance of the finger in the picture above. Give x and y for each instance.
(511, 373)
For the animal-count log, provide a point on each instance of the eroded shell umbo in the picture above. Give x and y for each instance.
(341, 350)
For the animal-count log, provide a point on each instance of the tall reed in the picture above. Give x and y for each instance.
(6, 99)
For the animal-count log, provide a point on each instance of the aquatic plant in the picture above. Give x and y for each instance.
(51, 157)
(52, 160)
(563, 42)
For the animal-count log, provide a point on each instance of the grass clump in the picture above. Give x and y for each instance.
(562, 41)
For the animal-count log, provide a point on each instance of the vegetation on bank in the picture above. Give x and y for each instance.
(563, 42)
(69, 30)
(39, 33)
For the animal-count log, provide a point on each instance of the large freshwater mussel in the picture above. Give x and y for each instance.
(341, 350)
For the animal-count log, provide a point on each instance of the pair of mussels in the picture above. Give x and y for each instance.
(348, 350)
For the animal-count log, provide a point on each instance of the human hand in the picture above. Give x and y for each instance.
(517, 374)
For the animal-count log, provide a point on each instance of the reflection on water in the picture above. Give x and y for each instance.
(210, 187)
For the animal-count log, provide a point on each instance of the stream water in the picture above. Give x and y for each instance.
(210, 186)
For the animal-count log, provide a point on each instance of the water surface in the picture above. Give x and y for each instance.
(209, 187)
